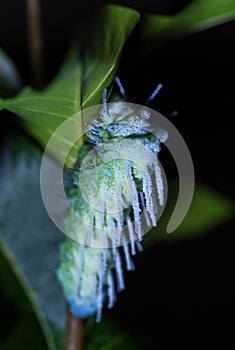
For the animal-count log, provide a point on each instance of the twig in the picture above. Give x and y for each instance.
(74, 331)
(35, 41)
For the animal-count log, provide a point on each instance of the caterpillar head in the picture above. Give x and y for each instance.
(121, 121)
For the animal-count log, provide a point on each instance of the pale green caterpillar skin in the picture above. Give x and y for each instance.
(79, 273)
(117, 181)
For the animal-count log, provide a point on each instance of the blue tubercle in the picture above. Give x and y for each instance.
(121, 88)
(154, 94)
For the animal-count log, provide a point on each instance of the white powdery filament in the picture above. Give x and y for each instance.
(80, 255)
(111, 290)
(131, 235)
(90, 232)
(145, 212)
(120, 212)
(114, 238)
(147, 189)
(139, 246)
(129, 263)
(94, 283)
(105, 261)
(102, 213)
(99, 297)
(159, 183)
(135, 201)
(118, 268)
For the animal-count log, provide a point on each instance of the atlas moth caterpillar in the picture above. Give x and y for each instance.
(113, 172)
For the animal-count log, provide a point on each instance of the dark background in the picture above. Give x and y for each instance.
(182, 295)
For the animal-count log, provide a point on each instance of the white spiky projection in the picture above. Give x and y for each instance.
(112, 193)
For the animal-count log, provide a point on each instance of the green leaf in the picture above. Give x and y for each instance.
(29, 239)
(208, 210)
(78, 84)
(10, 81)
(198, 15)
(109, 32)
(108, 335)
(43, 111)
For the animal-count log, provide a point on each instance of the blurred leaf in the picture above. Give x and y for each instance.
(24, 336)
(10, 287)
(29, 239)
(10, 81)
(43, 111)
(108, 335)
(29, 244)
(16, 308)
(208, 209)
(156, 30)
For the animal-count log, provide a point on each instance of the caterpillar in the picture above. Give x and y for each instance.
(112, 194)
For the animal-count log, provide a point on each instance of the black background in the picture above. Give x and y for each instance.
(182, 295)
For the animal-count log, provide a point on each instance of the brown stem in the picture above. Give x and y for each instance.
(35, 41)
(74, 331)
